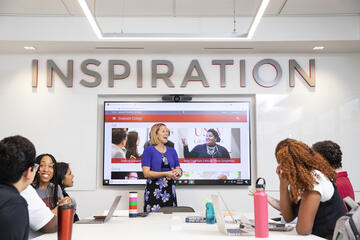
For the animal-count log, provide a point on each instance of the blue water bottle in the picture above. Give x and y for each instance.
(210, 214)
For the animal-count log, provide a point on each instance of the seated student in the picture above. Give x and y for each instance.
(46, 184)
(41, 219)
(332, 153)
(65, 179)
(307, 190)
(17, 171)
(118, 139)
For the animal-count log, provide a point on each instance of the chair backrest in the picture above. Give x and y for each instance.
(176, 209)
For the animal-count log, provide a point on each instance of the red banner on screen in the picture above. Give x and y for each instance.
(175, 118)
(182, 160)
(126, 160)
(209, 160)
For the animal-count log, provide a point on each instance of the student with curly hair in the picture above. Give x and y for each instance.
(332, 153)
(307, 190)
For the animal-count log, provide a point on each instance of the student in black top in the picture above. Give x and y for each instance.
(307, 190)
(65, 179)
(17, 171)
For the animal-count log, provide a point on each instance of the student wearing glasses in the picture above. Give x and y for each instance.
(160, 165)
(17, 171)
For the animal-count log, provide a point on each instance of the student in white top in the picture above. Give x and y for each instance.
(41, 219)
(307, 190)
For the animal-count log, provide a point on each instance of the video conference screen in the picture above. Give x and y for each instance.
(212, 140)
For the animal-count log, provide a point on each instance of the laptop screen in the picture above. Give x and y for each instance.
(112, 208)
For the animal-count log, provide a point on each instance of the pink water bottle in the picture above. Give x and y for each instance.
(261, 210)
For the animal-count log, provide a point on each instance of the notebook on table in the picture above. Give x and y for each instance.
(102, 219)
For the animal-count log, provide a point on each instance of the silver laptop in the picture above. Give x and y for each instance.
(221, 222)
(102, 219)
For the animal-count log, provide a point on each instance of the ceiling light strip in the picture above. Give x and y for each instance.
(119, 48)
(90, 18)
(166, 37)
(257, 18)
(228, 48)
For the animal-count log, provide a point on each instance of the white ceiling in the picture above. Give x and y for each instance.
(178, 8)
(193, 8)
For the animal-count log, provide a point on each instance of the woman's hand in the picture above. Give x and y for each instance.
(54, 210)
(184, 142)
(171, 175)
(177, 173)
(65, 201)
(283, 181)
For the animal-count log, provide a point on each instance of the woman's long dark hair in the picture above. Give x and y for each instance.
(61, 168)
(131, 147)
(36, 183)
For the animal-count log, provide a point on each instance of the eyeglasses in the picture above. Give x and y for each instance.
(35, 167)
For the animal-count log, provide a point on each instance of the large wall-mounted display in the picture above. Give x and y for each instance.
(194, 129)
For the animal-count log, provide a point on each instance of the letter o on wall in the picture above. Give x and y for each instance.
(257, 77)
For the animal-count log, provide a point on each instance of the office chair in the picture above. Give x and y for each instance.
(176, 209)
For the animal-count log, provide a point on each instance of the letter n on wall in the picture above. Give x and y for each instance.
(51, 67)
(309, 79)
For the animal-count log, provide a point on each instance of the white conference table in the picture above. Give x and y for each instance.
(158, 226)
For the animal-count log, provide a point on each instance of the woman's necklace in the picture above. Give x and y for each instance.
(211, 150)
(162, 150)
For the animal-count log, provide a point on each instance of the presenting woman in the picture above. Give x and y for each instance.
(208, 150)
(161, 167)
(307, 190)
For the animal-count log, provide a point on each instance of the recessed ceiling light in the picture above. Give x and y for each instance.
(318, 48)
(30, 48)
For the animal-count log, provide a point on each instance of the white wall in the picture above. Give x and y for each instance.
(67, 121)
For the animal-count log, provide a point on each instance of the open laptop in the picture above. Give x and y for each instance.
(102, 219)
(221, 222)
(273, 226)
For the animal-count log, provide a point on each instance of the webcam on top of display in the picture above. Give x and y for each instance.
(176, 98)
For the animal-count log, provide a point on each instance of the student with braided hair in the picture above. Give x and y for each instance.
(307, 190)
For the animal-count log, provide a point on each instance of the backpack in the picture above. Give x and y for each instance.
(348, 227)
